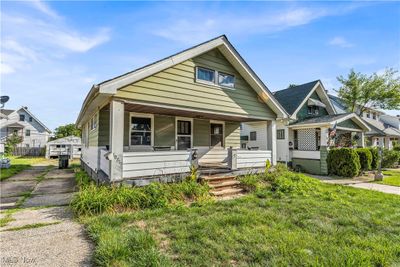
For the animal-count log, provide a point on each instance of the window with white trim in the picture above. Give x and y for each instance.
(225, 79)
(205, 75)
(140, 132)
(214, 77)
(93, 122)
(280, 134)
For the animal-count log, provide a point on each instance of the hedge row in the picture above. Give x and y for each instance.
(343, 162)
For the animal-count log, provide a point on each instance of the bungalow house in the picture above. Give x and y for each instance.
(385, 129)
(312, 127)
(183, 110)
(22, 122)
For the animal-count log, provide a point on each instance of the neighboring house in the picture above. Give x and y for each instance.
(70, 145)
(304, 137)
(385, 129)
(23, 123)
(182, 110)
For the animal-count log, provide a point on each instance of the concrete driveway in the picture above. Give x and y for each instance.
(42, 231)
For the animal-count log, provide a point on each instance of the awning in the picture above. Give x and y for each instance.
(315, 102)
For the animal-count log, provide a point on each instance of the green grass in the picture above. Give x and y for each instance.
(391, 177)
(297, 221)
(19, 164)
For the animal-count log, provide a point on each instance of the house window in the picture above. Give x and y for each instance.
(374, 116)
(140, 131)
(296, 139)
(93, 122)
(280, 134)
(362, 114)
(226, 79)
(313, 110)
(21, 117)
(253, 136)
(206, 75)
(58, 146)
(30, 119)
(28, 132)
(79, 149)
(368, 115)
(243, 145)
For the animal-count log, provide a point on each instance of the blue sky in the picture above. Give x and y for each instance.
(52, 52)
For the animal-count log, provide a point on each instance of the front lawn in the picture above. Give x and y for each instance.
(19, 164)
(391, 177)
(297, 221)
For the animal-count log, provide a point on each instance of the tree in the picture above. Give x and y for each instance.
(66, 130)
(11, 142)
(360, 91)
(292, 85)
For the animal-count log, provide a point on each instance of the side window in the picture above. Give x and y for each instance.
(21, 117)
(28, 132)
(30, 119)
(280, 134)
(253, 136)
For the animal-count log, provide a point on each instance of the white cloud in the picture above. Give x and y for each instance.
(187, 30)
(44, 8)
(27, 39)
(341, 42)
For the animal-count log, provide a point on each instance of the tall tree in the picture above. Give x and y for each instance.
(66, 130)
(360, 91)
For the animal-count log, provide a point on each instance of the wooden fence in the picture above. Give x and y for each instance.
(29, 151)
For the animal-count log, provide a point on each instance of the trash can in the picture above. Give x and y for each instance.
(63, 161)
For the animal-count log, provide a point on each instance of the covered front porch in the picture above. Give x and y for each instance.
(139, 141)
(310, 140)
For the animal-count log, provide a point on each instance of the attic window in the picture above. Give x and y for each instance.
(205, 75)
(30, 119)
(313, 110)
(226, 79)
(21, 117)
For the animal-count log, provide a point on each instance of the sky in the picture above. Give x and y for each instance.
(53, 52)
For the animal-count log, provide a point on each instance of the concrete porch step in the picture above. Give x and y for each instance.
(227, 191)
(217, 178)
(223, 184)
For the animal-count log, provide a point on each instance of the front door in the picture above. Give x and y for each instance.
(217, 135)
(184, 134)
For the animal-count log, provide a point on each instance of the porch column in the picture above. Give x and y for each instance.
(271, 140)
(362, 139)
(116, 140)
(324, 149)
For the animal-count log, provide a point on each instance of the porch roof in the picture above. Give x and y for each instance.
(330, 120)
(180, 112)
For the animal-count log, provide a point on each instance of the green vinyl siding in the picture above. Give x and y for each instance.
(303, 112)
(176, 86)
(94, 134)
(104, 127)
(232, 134)
(349, 124)
(312, 166)
(164, 130)
(201, 132)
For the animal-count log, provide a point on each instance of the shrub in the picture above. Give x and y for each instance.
(374, 154)
(390, 158)
(277, 171)
(343, 162)
(250, 182)
(365, 156)
(93, 199)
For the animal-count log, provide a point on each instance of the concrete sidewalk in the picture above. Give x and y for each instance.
(38, 235)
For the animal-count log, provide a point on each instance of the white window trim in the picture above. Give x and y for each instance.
(216, 82)
(176, 130)
(93, 120)
(223, 131)
(141, 115)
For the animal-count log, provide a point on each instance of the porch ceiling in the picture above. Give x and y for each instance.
(142, 108)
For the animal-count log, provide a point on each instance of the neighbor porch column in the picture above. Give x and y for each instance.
(271, 140)
(323, 150)
(362, 139)
(116, 139)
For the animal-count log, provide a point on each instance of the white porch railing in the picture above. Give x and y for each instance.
(239, 159)
(141, 164)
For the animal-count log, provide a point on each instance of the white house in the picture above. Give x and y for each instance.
(70, 145)
(23, 123)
